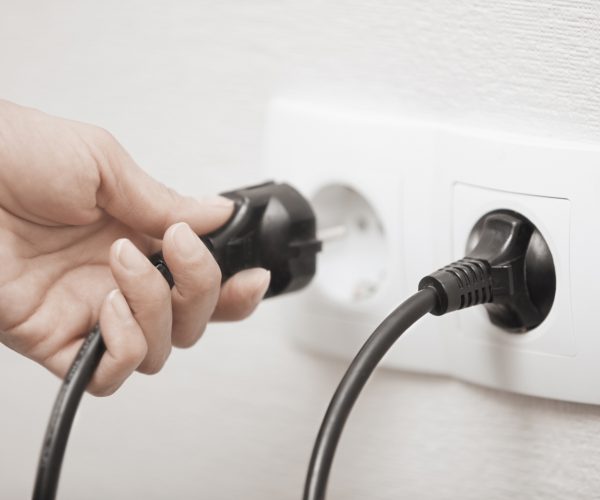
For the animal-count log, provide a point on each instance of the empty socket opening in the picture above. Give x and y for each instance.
(352, 266)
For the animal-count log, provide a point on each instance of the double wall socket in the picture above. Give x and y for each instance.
(407, 195)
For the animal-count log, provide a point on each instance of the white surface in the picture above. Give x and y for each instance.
(185, 86)
(391, 163)
(380, 156)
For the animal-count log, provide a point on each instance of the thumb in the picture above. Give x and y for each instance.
(129, 194)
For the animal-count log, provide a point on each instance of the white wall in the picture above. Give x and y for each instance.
(185, 86)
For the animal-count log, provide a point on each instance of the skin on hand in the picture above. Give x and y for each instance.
(77, 219)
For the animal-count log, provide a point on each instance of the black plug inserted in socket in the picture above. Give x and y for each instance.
(526, 255)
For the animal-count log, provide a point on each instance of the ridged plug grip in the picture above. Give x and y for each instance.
(464, 283)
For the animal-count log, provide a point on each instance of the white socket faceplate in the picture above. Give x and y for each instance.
(426, 185)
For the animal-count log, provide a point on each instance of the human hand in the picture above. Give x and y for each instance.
(77, 219)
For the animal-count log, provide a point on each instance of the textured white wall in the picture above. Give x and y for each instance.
(185, 86)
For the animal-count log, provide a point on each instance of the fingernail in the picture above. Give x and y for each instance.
(130, 257)
(186, 241)
(217, 202)
(257, 279)
(119, 304)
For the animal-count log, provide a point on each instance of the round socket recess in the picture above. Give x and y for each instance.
(352, 267)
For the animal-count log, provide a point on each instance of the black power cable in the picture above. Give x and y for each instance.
(65, 405)
(506, 271)
(273, 226)
(63, 413)
(361, 368)
(509, 271)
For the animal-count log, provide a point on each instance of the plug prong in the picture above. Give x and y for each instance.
(332, 233)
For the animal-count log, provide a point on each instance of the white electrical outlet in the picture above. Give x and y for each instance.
(407, 195)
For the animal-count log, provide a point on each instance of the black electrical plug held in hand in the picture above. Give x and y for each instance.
(273, 227)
